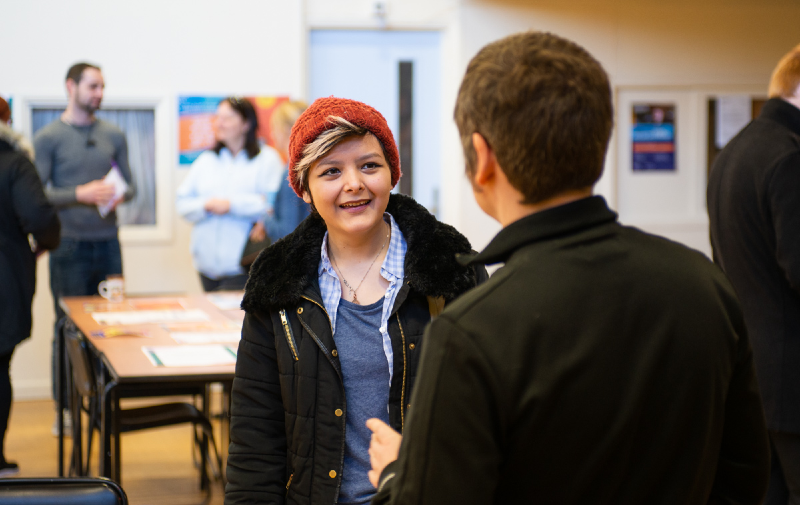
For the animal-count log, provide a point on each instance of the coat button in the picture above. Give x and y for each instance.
(299, 310)
(408, 406)
(332, 473)
(335, 353)
(411, 346)
(338, 412)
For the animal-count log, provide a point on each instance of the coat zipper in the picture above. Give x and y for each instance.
(405, 366)
(289, 336)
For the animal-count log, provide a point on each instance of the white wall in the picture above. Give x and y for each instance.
(161, 49)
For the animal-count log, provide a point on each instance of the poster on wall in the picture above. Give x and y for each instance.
(653, 136)
(196, 123)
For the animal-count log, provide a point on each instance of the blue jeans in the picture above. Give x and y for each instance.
(76, 268)
(231, 283)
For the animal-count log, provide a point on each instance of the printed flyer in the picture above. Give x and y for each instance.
(653, 136)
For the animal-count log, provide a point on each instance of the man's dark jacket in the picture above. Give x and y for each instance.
(24, 210)
(288, 406)
(754, 211)
(600, 365)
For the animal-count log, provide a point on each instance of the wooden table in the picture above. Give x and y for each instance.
(126, 371)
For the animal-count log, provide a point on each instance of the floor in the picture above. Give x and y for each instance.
(157, 465)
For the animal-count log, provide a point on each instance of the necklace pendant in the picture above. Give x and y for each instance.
(355, 299)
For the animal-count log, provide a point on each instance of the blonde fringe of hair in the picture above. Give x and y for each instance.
(323, 144)
(786, 77)
(285, 114)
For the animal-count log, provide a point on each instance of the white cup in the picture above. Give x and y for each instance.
(112, 289)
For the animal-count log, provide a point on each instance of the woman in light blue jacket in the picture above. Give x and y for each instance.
(227, 189)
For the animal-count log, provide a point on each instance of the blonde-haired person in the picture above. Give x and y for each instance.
(754, 217)
(335, 314)
(289, 209)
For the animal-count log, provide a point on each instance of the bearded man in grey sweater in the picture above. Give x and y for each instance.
(73, 156)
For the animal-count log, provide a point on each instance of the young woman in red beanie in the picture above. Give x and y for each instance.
(335, 315)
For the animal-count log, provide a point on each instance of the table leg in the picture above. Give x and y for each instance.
(59, 360)
(115, 422)
(76, 468)
(225, 427)
(204, 480)
(106, 400)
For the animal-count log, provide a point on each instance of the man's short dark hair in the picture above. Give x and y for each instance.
(75, 72)
(543, 104)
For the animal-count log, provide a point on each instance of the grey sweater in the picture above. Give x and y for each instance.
(68, 156)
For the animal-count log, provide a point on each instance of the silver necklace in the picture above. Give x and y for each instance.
(347, 284)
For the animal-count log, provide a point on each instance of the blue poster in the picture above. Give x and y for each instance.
(195, 126)
(653, 137)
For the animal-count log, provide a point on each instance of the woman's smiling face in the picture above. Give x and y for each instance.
(350, 186)
(230, 127)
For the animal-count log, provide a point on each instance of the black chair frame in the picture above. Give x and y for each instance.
(61, 491)
(84, 389)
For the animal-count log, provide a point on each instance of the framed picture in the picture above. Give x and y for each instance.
(657, 179)
(653, 136)
(196, 123)
(145, 122)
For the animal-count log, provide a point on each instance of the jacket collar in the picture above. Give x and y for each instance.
(783, 113)
(548, 224)
(287, 270)
(11, 140)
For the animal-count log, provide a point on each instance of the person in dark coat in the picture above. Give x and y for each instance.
(754, 211)
(600, 364)
(24, 211)
(335, 313)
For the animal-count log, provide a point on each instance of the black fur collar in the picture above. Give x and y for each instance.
(282, 271)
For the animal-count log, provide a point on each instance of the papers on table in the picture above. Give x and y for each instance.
(194, 355)
(113, 177)
(136, 304)
(206, 337)
(226, 301)
(150, 316)
(113, 331)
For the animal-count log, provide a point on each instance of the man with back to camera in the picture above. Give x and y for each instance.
(600, 364)
(754, 212)
(73, 155)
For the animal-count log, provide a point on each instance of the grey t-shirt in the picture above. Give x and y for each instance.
(365, 374)
(68, 156)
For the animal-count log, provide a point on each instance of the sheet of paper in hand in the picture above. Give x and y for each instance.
(113, 177)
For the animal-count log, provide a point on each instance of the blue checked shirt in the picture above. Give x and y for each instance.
(392, 270)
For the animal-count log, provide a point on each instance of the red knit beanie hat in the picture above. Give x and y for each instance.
(5, 111)
(314, 121)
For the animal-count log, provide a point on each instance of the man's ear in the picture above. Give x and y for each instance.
(70, 86)
(795, 99)
(485, 160)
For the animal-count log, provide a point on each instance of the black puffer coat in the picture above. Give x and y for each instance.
(288, 405)
(24, 210)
